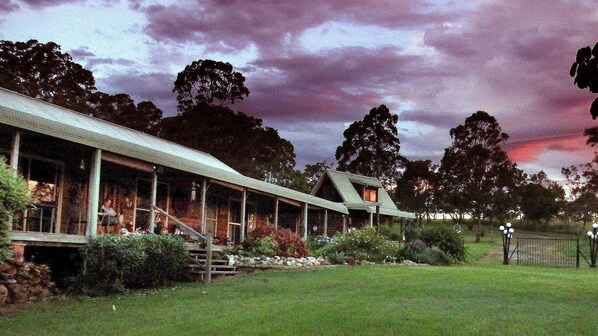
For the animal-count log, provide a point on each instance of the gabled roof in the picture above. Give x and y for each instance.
(38, 116)
(353, 200)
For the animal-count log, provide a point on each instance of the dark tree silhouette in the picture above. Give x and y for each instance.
(415, 188)
(585, 71)
(541, 200)
(121, 109)
(42, 71)
(209, 82)
(475, 167)
(237, 139)
(371, 147)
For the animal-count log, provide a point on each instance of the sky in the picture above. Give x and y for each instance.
(313, 67)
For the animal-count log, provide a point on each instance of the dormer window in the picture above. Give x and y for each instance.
(370, 194)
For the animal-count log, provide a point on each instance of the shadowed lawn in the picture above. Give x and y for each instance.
(485, 299)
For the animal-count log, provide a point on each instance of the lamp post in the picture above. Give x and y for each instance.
(507, 234)
(593, 237)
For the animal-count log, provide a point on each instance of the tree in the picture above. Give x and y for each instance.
(42, 71)
(209, 82)
(415, 188)
(371, 147)
(237, 139)
(585, 71)
(121, 109)
(13, 197)
(313, 172)
(583, 208)
(475, 167)
(541, 200)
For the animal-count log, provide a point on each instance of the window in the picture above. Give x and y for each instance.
(370, 194)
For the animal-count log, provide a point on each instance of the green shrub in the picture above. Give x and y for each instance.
(412, 231)
(13, 198)
(389, 232)
(433, 256)
(446, 239)
(268, 241)
(265, 246)
(412, 250)
(113, 263)
(363, 244)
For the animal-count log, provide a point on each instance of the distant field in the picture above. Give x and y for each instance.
(481, 298)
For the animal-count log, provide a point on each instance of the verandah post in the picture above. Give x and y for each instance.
(276, 213)
(93, 200)
(204, 189)
(304, 221)
(14, 160)
(154, 192)
(243, 209)
(325, 222)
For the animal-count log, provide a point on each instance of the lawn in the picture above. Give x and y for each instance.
(481, 298)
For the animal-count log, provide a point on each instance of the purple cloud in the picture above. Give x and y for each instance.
(7, 6)
(233, 25)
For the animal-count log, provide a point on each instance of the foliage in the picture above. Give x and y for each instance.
(313, 172)
(289, 244)
(371, 147)
(315, 243)
(585, 71)
(583, 208)
(475, 172)
(114, 263)
(121, 109)
(13, 198)
(412, 230)
(415, 188)
(363, 244)
(237, 139)
(268, 241)
(209, 82)
(445, 239)
(389, 232)
(541, 199)
(41, 70)
(421, 253)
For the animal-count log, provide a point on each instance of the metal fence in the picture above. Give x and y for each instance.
(556, 252)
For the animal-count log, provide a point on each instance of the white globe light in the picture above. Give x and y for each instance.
(590, 233)
(505, 231)
(508, 224)
(511, 230)
(501, 228)
(595, 225)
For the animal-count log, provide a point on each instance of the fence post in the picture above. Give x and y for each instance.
(208, 275)
(577, 254)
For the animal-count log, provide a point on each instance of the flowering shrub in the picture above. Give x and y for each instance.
(363, 244)
(268, 241)
(289, 244)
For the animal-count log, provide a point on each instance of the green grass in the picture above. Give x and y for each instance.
(484, 298)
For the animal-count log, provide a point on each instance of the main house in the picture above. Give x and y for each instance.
(73, 162)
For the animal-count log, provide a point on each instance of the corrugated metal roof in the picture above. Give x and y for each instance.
(31, 114)
(343, 182)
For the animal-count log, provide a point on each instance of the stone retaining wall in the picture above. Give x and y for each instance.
(22, 282)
